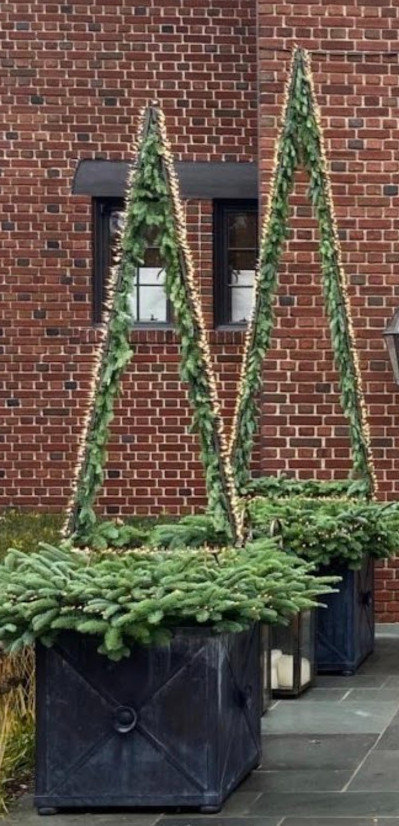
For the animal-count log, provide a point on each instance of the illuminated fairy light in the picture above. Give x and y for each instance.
(99, 359)
(181, 231)
(110, 308)
(342, 279)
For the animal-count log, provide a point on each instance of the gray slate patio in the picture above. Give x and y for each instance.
(330, 758)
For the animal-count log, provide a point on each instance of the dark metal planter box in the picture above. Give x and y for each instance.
(168, 727)
(345, 629)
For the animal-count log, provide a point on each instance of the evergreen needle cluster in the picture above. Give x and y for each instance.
(326, 530)
(284, 486)
(149, 213)
(140, 596)
(301, 145)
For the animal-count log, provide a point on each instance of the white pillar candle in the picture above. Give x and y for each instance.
(285, 671)
(274, 678)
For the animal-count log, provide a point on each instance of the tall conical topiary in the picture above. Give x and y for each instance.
(301, 143)
(153, 202)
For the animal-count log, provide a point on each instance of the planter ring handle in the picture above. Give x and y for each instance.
(125, 719)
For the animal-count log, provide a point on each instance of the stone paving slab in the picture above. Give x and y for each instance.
(392, 681)
(318, 780)
(305, 751)
(323, 695)
(356, 681)
(379, 772)
(340, 821)
(389, 741)
(387, 694)
(329, 718)
(217, 820)
(321, 804)
(25, 815)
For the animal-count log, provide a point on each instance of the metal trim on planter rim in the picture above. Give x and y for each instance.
(198, 179)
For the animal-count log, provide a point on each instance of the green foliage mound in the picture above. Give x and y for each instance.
(328, 530)
(284, 486)
(115, 534)
(190, 532)
(140, 596)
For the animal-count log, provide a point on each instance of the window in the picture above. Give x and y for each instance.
(148, 302)
(235, 257)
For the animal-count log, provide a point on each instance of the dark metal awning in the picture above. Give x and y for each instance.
(208, 180)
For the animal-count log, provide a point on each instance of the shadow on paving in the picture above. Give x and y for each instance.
(330, 758)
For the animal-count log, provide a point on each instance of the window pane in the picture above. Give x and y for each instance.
(115, 223)
(242, 260)
(241, 304)
(152, 257)
(242, 229)
(242, 278)
(152, 304)
(148, 304)
(151, 275)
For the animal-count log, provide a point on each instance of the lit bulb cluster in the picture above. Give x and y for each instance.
(242, 393)
(196, 307)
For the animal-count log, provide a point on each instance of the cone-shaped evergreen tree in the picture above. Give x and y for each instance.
(301, 143)
(153, 203)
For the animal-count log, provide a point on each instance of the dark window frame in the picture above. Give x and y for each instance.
(222, 294)
(101, 209)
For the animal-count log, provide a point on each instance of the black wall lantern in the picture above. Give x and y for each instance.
(391, 335)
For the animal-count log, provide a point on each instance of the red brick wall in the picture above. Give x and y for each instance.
(73, 78)
(356, 73)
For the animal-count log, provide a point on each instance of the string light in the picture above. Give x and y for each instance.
(242, 393)
(226, 473)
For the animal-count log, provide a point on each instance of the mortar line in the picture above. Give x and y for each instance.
(362, 762)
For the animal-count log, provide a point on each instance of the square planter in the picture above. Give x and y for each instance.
(170, 726)
(293, 655)
(345, 629)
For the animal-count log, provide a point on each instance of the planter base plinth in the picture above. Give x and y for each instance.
(46, 811)
(210, 810)
(169, 727)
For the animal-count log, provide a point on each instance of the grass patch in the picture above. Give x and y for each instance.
(24, 530)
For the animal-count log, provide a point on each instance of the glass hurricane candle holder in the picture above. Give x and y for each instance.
(293, 655)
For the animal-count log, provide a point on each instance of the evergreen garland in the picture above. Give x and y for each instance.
(301, 142)
(141, 596)
(153, 201)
